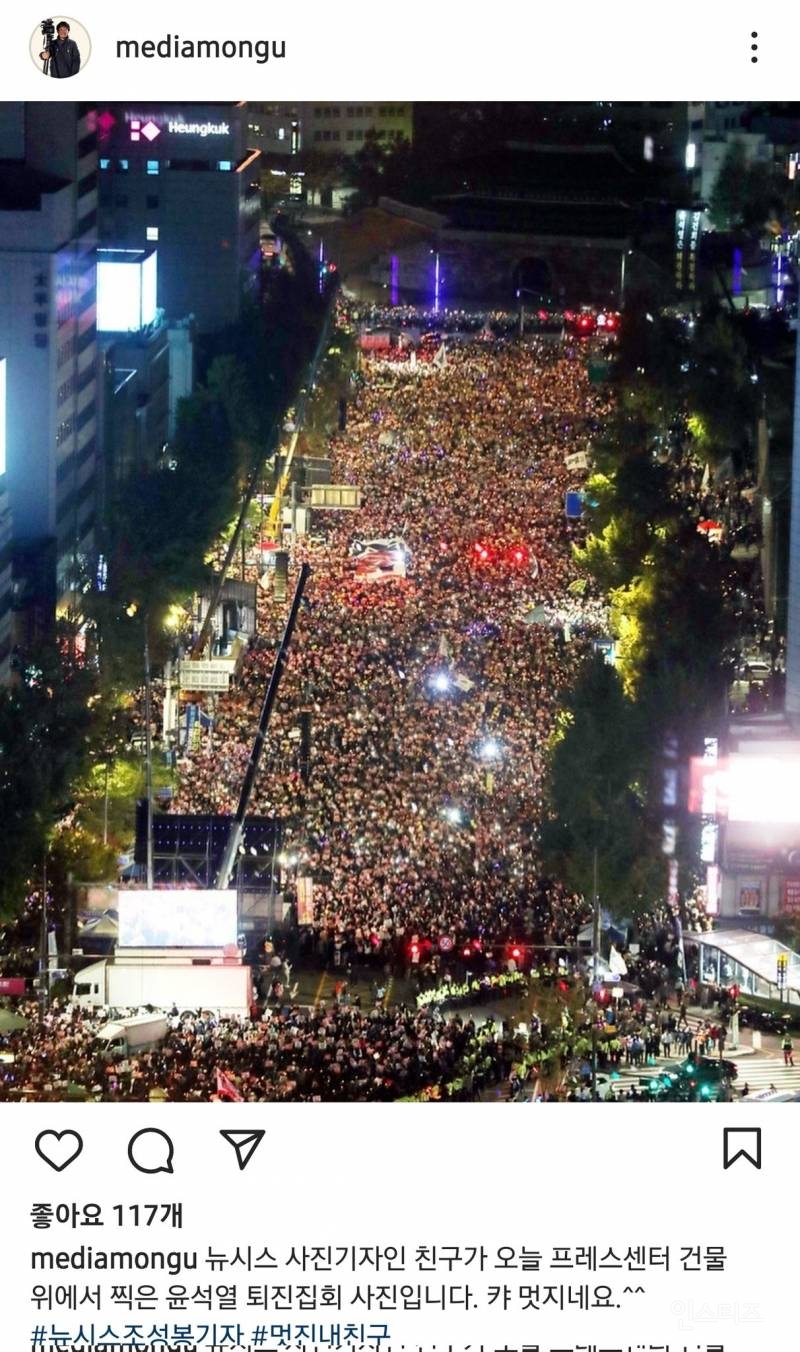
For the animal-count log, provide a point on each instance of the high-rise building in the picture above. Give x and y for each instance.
(6, 574)
(342, 128)
(47, 332)
(148, 365)
(275, 128)
(182, 177)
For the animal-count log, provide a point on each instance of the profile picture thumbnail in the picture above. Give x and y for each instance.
(60, 47)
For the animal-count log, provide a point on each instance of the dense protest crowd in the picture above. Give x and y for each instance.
(298, 1054)
(433, 696)
(434, 686)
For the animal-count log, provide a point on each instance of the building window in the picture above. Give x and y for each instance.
(105, 164)
(152, 232)
(225, 165)
(153, 166)
(123, 165)
(63, 431)
(120, 201)
(151, 203)
(281, 133)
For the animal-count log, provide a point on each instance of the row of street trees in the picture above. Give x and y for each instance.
(680, 399)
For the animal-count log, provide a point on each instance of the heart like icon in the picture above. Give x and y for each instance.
(58, 1148)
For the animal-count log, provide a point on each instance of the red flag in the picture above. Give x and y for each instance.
(227, 1088)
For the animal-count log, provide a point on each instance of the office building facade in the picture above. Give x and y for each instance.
(182, 177)
(48, 220)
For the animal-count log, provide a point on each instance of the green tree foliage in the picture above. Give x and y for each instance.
(746, 194)
(381, 169)
(719, 391)
(45, 725)
(595, 797)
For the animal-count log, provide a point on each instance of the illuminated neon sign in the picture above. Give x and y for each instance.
(199, 128)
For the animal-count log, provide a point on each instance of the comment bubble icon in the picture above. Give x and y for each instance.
(150, 1151)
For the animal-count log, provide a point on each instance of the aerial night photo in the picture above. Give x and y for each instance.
(399, 602)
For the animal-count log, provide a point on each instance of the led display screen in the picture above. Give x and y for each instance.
(178, 918)
(126, 290)
(764, 789)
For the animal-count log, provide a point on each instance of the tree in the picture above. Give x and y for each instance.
(595, 798)
(719, 391)
(45, 723)
(746, 194)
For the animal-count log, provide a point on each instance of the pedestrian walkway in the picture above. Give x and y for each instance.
(761, 1072)
(758, 1071)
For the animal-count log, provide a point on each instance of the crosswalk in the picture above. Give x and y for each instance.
(758, 1073)
(764, 1073)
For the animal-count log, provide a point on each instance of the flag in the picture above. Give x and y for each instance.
(440, 358)
(379, 560)
(227, 1089)
(577, 460)
(617, 963)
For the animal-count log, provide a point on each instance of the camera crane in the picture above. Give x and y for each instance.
(233, 842)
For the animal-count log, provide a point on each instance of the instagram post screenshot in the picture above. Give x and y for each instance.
(399, 678)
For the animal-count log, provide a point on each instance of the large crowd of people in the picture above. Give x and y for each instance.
(433, 695)
(433, 686)
(293, 1054)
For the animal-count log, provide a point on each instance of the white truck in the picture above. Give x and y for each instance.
(125, 1037)
(164, 984)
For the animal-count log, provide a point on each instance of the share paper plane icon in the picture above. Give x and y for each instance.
(245, 1143)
